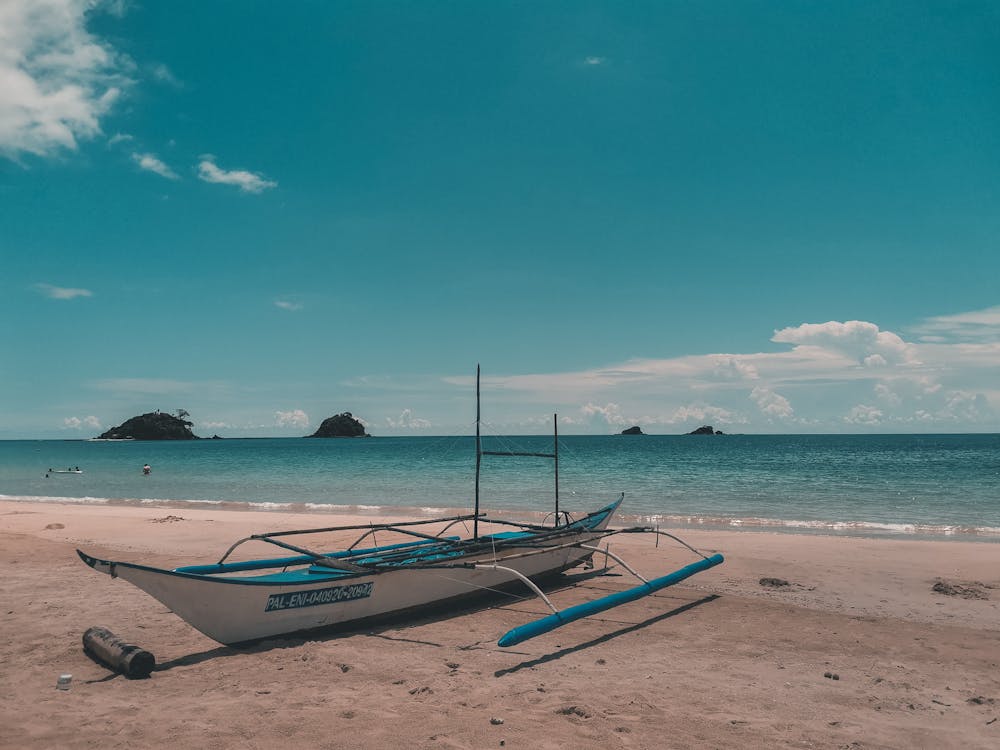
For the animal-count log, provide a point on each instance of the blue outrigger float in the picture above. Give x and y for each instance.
(250, 600)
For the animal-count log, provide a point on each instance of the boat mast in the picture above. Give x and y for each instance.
(555, 456)
(480, 453)
(479, 460)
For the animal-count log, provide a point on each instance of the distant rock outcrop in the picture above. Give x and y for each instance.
(341, 425)
(153, 426)
(633, 431)
(706, 430)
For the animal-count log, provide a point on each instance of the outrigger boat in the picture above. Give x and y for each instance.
(244, 601)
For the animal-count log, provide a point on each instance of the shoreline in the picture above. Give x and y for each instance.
(681, 522)
(718, 661)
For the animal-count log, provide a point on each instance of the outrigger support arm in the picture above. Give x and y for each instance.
(570, 614)
(527, 581)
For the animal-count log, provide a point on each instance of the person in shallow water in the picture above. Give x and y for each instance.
(146, 469)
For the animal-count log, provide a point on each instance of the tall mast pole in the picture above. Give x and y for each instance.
(555, 455)
(479, 459)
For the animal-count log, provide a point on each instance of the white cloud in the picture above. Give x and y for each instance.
(56, 79)
(703, 413)
(163, 74)
(286, 305)
(856, 339)
(406, 421)
(75, 423)
(864, 415)
(771, 404)
(887, 395)
(293, 418)
(609, 414)
(594, 60)
(151, 164)
(60, 292)
(978, 325)
(248, 182)
(735, 368)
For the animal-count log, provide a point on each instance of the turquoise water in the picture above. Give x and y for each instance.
(926, 485)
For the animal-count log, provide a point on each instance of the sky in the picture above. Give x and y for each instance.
(766, 217)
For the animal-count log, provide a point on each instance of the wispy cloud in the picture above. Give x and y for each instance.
(60, 292)
(292, 418)
(979, 325)
(56, 79)
(287, 305)
(594, 60)
(248, 182)
(75, 423)
(160, 72)
(406, 421)
(151, 164)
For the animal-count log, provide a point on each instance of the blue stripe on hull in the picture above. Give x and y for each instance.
(568, 615)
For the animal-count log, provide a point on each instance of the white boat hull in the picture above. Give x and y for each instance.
(239, 609)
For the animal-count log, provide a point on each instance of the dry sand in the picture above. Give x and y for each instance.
(858, 651)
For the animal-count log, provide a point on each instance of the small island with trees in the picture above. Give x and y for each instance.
(158, 425)
(340, 425)
(155, 425)
(705, 430)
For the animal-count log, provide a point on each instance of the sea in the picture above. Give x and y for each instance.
(910, 486)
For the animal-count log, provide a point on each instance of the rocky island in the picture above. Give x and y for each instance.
(155, 425)
(705, 430)
(633, 431)
(340, 425)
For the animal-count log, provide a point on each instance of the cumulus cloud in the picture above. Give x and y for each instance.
(703, 413)
(151, 164)
(75, 423)
(406, 421)
(856, 339)
(771, 404)
(248, 182)
(734, 368)
(864, 415)
(609, 414)
(56, 79)
(61, 292)
(293, 418)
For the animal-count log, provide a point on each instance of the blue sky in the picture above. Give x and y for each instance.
(768, 217)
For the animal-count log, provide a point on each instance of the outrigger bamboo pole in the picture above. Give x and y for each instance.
(568, 615)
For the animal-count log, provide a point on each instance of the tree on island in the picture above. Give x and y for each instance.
(340, 425)
(153, 426)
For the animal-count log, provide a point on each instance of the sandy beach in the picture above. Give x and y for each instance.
(869, 643)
